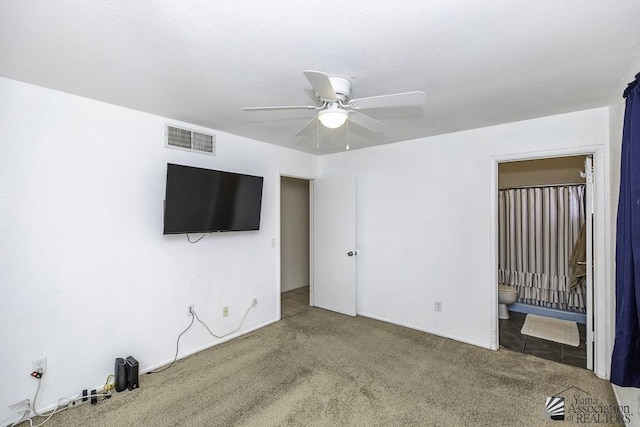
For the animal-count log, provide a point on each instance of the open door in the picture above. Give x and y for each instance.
(588, 169)
(334, 244)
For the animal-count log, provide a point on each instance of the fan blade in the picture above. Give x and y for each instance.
(321, 84)
(366, 122)
(284, 107)
(306, 126)
(393, 100)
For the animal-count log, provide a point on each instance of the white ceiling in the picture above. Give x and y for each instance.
(480, 63)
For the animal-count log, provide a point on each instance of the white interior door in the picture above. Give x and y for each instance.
(334, 244)
(588, 168)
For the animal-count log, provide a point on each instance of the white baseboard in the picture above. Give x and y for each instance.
(406, 325)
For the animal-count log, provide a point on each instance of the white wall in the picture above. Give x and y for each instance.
(294, 234)
(85, 272)
(424, 219)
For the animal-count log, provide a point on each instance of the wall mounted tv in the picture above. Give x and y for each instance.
(204, 200)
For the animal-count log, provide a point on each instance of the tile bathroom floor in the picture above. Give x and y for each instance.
(294, 301)
(512, 339)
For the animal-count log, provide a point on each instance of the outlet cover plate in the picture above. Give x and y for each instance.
(40, 365)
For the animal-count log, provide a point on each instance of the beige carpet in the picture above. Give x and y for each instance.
(319, 368)
(549, 328)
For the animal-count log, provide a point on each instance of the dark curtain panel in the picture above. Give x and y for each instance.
(625, 363)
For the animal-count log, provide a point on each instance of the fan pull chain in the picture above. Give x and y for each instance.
(347, 147)
(317, 133)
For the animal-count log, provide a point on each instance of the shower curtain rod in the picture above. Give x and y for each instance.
(570, 184)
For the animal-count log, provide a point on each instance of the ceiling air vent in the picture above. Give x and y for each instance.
(185, 139)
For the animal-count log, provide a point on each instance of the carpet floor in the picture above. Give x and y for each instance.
(319, 368)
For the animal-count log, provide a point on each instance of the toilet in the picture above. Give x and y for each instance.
(506, 295)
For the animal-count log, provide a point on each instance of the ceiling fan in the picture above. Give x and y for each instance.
(336, 108)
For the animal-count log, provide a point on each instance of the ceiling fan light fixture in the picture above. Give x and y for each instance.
(333, 118)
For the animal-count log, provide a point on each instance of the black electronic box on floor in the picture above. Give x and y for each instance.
(120, 374)
(132, 369)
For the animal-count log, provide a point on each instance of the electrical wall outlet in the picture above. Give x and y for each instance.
(255, 302)
(40, 365)
(225, 311)
(189, 309)
(438, 306)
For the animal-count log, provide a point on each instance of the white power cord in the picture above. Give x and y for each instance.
(12, 420)
(60, 406)
(35, 398)
(193, 312)
(194, 316)
(175, 358)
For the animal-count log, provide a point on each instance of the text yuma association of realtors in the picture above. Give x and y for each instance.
(589, 410)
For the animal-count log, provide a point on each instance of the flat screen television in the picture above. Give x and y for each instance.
(203, 200)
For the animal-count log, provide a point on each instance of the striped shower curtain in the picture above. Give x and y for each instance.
(537, 228)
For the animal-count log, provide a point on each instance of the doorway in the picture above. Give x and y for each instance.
(318, 243)
(294, 246)
(544, 208)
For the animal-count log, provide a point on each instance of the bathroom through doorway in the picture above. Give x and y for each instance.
(544, 214)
